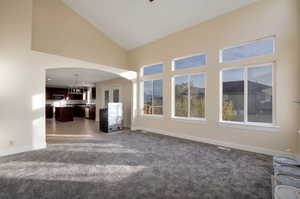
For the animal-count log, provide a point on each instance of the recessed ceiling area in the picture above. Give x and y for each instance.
(66, 77)
(133, 23)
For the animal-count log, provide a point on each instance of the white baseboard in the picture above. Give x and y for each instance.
(162, 132)
(17, 150)
(220, 143)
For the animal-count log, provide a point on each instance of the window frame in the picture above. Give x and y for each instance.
(246, 122)
(188, 56)
(143, 98)
(188, 118)
(149, 65)
(273, 38)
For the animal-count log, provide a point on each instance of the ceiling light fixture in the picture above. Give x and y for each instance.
(76, 88)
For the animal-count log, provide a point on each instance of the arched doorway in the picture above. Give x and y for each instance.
(111, 77)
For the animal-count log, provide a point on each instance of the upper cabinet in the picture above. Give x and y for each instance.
(56, 93)
(63, 93)
(93, 93)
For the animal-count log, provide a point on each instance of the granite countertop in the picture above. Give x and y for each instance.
(64, 106)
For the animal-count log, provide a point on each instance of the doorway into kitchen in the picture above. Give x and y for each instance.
(74, 97)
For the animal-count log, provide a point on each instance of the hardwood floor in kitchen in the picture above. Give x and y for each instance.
(80, 127)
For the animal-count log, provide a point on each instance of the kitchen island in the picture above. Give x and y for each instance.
(64, 114)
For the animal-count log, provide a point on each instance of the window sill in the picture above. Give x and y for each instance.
(190, 120)
(250, 126)
(159, 117)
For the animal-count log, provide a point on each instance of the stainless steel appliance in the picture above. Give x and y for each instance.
(111, 118)
(58, 96)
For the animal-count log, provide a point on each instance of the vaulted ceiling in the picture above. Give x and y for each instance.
(133, 23)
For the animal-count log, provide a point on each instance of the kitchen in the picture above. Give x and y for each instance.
(79, 101)
(71, 111)
(71, 101)
(86, 102)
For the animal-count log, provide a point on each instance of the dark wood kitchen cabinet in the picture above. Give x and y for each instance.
(56, 93)
(49, 111)
(93, 93)
(61, 93)
(64, 114)
(79, 111)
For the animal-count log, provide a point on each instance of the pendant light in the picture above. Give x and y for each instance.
(75, 89)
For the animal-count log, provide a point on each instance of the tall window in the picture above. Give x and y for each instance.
(153, 97)
(189, 96)
(248, 94)
(257, 48)
(233, 95)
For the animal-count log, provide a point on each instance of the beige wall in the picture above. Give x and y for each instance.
(22, 71)
(298, 140)
(125, 96)
(58, 30)
(259, 20)
(21, 121)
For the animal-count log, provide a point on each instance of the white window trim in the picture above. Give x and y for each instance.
(153, 116)
(250, 126)
(246, 123)
(149, 65)
(188, 56)
(143, 99)
(273, 37)
(192, 120)
(173, 116)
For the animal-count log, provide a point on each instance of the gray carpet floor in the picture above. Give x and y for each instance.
(135, 165)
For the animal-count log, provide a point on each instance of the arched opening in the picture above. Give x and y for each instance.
(93, 81)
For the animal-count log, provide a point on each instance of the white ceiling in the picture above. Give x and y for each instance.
(132, 23)
(65, 77)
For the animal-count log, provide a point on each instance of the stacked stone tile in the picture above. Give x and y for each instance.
(286, 178)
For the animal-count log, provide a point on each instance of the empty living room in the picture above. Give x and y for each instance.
(154, 99)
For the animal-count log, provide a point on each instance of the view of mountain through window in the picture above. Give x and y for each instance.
(153, 97)
(190, 96)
